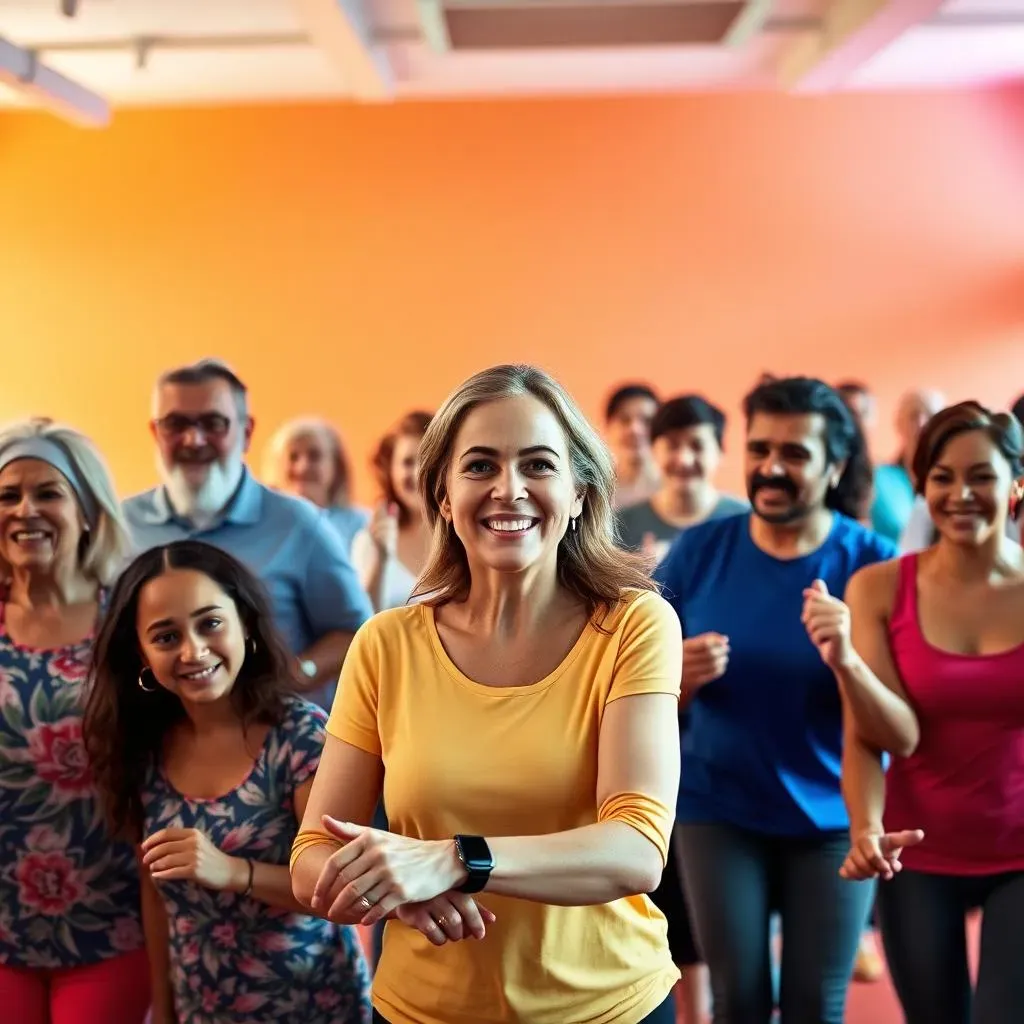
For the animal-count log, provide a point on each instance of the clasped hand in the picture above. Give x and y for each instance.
(188, 854)
(378, 874)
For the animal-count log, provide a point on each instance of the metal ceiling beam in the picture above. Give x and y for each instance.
(22, 71)
(342, 30)
(851, 33)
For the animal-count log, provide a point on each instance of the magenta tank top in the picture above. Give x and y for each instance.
(964, 785)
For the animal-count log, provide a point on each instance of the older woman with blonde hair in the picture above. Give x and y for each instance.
(71, 944)
(524, 721)
(306, 457)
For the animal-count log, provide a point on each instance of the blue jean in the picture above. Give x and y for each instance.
(734, 880)
(924, 935)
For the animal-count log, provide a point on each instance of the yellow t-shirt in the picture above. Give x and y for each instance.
(462, 757)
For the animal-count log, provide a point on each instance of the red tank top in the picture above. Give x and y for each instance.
(964, 785)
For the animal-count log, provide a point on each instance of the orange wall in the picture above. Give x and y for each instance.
(359, 261)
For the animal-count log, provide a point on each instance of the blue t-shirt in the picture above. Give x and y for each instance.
(893, 502)
(761, 746)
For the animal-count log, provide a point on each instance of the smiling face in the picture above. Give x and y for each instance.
(201, 439)
(629, 428)
(41, 523)
(190, 635)
(309, 467)
(405, 470)
(968, 489)
(510, 490)
(687, 458)
(787, 469)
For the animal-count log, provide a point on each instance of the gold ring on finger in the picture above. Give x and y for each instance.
(365, 903)
(441, 920)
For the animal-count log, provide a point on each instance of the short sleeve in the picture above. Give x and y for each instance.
(650, 655)
(332, 597)
(354, 713)
(306, 735)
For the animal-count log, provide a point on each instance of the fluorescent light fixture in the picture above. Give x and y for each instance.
(22, 70)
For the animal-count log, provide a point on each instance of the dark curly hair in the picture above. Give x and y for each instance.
(844, 441)
(125, 726)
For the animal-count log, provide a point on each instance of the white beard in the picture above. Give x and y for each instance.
(202, 505)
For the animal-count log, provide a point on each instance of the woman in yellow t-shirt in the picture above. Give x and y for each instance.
(524, 722)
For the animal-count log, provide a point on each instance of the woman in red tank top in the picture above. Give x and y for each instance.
(943, 630)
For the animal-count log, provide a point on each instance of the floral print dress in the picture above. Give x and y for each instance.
(235, 959)
(69, 895)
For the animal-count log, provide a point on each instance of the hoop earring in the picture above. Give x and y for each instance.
(572, 523)
(252, 645)
(142, 685)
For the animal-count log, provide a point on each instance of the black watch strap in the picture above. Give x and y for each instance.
(478, 861)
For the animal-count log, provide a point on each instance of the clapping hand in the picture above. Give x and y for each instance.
(827, 621)
(705, 658)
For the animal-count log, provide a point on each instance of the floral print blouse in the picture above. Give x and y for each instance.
(235, 959)
(69, 895)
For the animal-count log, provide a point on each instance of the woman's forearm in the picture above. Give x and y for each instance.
(585, 866)
(862, 784)
(304, 874)
(271, 883)
(883, 718)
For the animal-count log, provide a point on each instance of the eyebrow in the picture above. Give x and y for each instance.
(164, 623)
(950, 469)
(52, 482)
(493, 453)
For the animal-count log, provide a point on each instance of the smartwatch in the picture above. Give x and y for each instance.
(476, 858)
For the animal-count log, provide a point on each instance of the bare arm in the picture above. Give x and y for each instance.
(154, 927)
(862, 780)
(327, 654)
(370, 563)
(347, 786)
(638, 754)
(188, 853)
(868, 680)
(272, 883)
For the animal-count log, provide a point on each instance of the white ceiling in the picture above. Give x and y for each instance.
(149, 52)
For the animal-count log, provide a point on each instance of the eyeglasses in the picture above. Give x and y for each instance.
(212, 424)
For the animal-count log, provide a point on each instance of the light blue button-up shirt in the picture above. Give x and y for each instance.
(287, 542)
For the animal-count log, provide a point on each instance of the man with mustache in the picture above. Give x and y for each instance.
(202, 428)
(761, 823)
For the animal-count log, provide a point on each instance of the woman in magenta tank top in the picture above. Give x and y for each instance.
(944, 631)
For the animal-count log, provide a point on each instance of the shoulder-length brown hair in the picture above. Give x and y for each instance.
(125, 726)
(589, 562)
(413, 424)
(1002, 428)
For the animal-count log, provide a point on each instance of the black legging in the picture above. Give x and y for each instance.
(922, 924)
(664, 1014)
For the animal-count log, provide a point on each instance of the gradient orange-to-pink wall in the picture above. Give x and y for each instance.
(357, 262)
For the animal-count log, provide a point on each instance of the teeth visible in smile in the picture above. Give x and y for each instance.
(510, 525)
(203, 673)
(21, 535)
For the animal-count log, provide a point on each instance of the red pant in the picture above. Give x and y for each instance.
(115, 990)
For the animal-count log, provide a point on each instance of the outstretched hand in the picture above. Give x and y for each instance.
(876, 854)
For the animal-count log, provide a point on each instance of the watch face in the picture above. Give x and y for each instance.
(475, 852)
